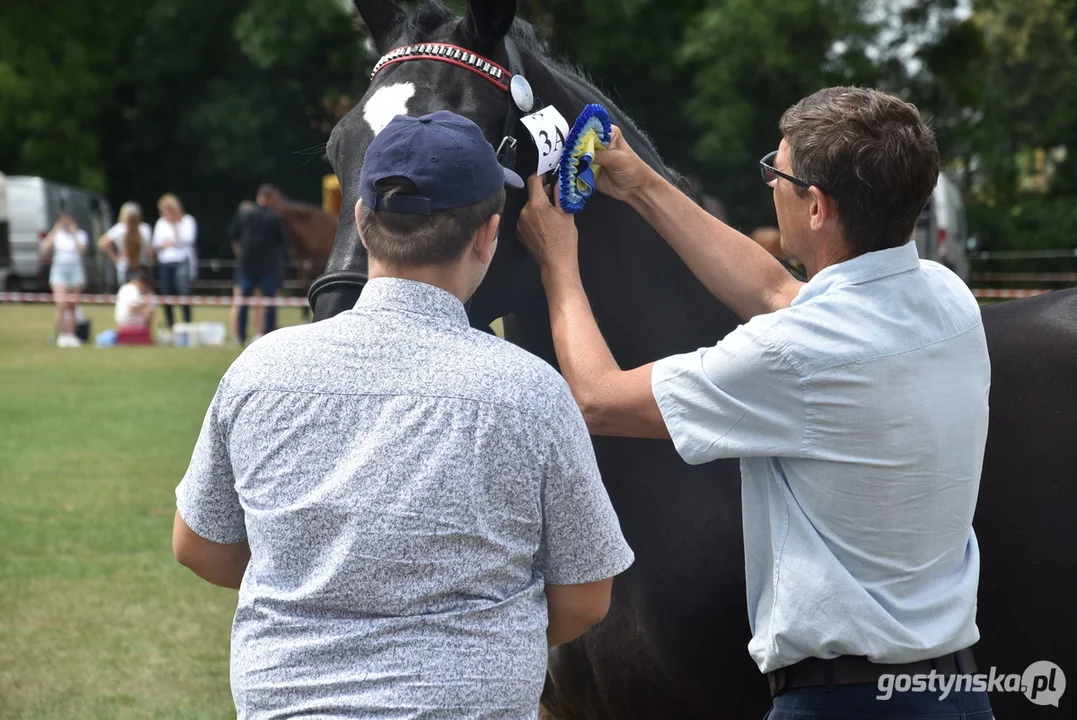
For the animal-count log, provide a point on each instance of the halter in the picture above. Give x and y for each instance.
(512, 82)
(452, 54)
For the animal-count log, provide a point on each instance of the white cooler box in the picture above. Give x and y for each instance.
(198, 334)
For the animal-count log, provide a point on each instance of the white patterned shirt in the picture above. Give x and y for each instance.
(407, 485)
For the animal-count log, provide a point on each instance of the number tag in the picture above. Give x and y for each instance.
(549, 130)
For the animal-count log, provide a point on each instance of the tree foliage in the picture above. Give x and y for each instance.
(203, 99)
(209, 99)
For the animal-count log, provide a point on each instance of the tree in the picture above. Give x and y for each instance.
(206, 100)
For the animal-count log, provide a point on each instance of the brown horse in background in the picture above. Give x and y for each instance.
(311, 232)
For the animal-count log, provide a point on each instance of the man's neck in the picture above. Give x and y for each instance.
(829, 252)
(448, 279)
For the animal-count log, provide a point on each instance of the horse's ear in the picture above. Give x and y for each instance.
(380, 16)
(488, 21)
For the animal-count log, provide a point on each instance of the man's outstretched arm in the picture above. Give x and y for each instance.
(613, 401)
(737, 271)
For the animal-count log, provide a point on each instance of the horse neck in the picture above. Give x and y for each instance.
(646, 301)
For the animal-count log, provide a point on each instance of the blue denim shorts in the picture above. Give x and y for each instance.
(67, 276)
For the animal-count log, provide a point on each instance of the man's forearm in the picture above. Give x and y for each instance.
(740, 273)
(613, 402)
(582, 354)
(222, 564)
(223, 569)
(563, 630)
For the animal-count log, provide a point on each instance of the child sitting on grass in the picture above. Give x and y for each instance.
(134, 311)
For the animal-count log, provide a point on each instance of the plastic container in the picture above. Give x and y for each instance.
(185, 335)
(212, 333)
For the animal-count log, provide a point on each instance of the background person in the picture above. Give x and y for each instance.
(262, 248)
(173, 237)
(257, 311)
(66, 244)
(410, 507)
(127, 243)
(134, 310)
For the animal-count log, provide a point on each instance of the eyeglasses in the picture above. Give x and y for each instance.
(771, 173)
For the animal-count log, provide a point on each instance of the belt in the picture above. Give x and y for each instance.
(852, 670)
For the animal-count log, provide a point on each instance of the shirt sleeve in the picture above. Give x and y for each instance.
(187, 231)
(116, 232)
(234, 226)
(161, 233)
(741, 398)
(206, 497)
(581, 538)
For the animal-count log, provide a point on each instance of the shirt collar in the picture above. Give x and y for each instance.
(413, 296)
(861, 269)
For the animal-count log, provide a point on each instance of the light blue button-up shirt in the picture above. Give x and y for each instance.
(860, 417)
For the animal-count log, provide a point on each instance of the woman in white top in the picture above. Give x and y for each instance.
(174, 237)
(127, 243)
(66, 244)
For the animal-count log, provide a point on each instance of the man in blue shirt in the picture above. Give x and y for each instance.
(857, 402)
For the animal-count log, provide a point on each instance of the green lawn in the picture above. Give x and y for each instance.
(97, 620)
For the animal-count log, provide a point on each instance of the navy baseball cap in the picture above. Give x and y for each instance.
(444, 154)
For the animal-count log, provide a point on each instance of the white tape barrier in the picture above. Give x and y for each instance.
(228, 300)
(1007, 293)
(7, 297)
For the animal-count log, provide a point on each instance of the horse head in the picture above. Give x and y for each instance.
(417, 88)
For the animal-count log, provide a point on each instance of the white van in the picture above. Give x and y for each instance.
(942, 230)
(33, 204)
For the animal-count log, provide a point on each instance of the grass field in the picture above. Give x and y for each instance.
(97, 620)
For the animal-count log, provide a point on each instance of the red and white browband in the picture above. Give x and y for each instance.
(451, 54)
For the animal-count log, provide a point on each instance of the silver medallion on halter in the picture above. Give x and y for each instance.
(522, 94)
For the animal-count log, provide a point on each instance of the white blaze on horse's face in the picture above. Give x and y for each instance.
(386, 103)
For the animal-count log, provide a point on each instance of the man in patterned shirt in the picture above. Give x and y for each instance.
(410, 508)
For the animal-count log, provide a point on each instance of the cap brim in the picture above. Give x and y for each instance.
(513, 180)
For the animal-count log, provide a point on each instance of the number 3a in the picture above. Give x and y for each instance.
(545, 136)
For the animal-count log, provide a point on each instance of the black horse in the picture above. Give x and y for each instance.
(674, 644)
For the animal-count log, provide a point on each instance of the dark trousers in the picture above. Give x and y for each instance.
(268, 284)
(843, 702)
(175, 280)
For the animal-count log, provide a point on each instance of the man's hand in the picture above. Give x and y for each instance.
(547, 231)
(623, 172)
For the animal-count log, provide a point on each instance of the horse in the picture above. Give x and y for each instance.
(310, 232)
(1024, 519)
(674, 644)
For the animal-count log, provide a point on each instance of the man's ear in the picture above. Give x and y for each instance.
(823, 208)
(486, 240)
(358, 222)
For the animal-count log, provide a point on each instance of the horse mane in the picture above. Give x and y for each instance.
(534, 43)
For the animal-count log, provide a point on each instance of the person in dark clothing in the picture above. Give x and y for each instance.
(258, 236)
(237, 289)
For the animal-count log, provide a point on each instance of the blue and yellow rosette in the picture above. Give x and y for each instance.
(577, 172)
